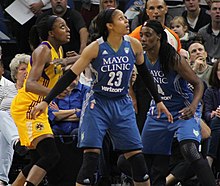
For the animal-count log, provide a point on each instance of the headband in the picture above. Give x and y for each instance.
(155, 25)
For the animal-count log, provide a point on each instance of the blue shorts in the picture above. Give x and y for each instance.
(113, 114)
(157, 135)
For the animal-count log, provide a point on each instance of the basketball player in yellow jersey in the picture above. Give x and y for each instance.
(42, 75)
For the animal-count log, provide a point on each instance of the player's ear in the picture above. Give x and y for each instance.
(109, 25)
(158, 37)
(51, 33)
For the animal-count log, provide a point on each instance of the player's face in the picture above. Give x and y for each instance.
(120, 23)
(149, 38)
(61, 31)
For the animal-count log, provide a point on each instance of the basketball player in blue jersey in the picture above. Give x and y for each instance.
(108, 106)
(172, 73)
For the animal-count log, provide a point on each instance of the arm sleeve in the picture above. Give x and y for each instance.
(148, 81)
(61, 85)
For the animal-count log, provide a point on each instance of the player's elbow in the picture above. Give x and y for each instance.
(28, 86)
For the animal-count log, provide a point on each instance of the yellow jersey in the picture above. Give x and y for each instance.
(24, 101)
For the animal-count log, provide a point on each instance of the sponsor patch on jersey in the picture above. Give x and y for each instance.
(39, 126)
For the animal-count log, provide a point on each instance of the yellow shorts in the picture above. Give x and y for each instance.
(28, 129)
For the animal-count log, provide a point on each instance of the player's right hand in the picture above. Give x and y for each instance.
(39, 109)
(162, 108)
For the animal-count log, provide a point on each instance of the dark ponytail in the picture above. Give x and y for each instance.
(103, 18)
(167, 54)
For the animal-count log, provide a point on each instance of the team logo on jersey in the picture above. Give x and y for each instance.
(196, 132)
(104, 52)
(126, 49)
(39, 126)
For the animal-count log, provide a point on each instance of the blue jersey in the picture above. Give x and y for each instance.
(112, 70)
(173, 89)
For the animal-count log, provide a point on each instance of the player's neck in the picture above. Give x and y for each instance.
(114, 42)
(153, 53)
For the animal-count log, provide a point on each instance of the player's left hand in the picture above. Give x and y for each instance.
(62, 62)
(39, 109)
(162, 108)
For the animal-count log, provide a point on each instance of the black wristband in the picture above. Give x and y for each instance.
(61, 85)
(148, 81)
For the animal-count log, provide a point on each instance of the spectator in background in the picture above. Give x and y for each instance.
(179, 26)
(198, 60)
(195, 16)
(75, 22)
(134, 9)
(93, 30)
(205, 4)
(175, 7)
(212, 112)
(142, 17)
(9, 138)
(211, 32)
(139, 19)
(89, 9)
(21, 32)
(64, 113)
(157, 10)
